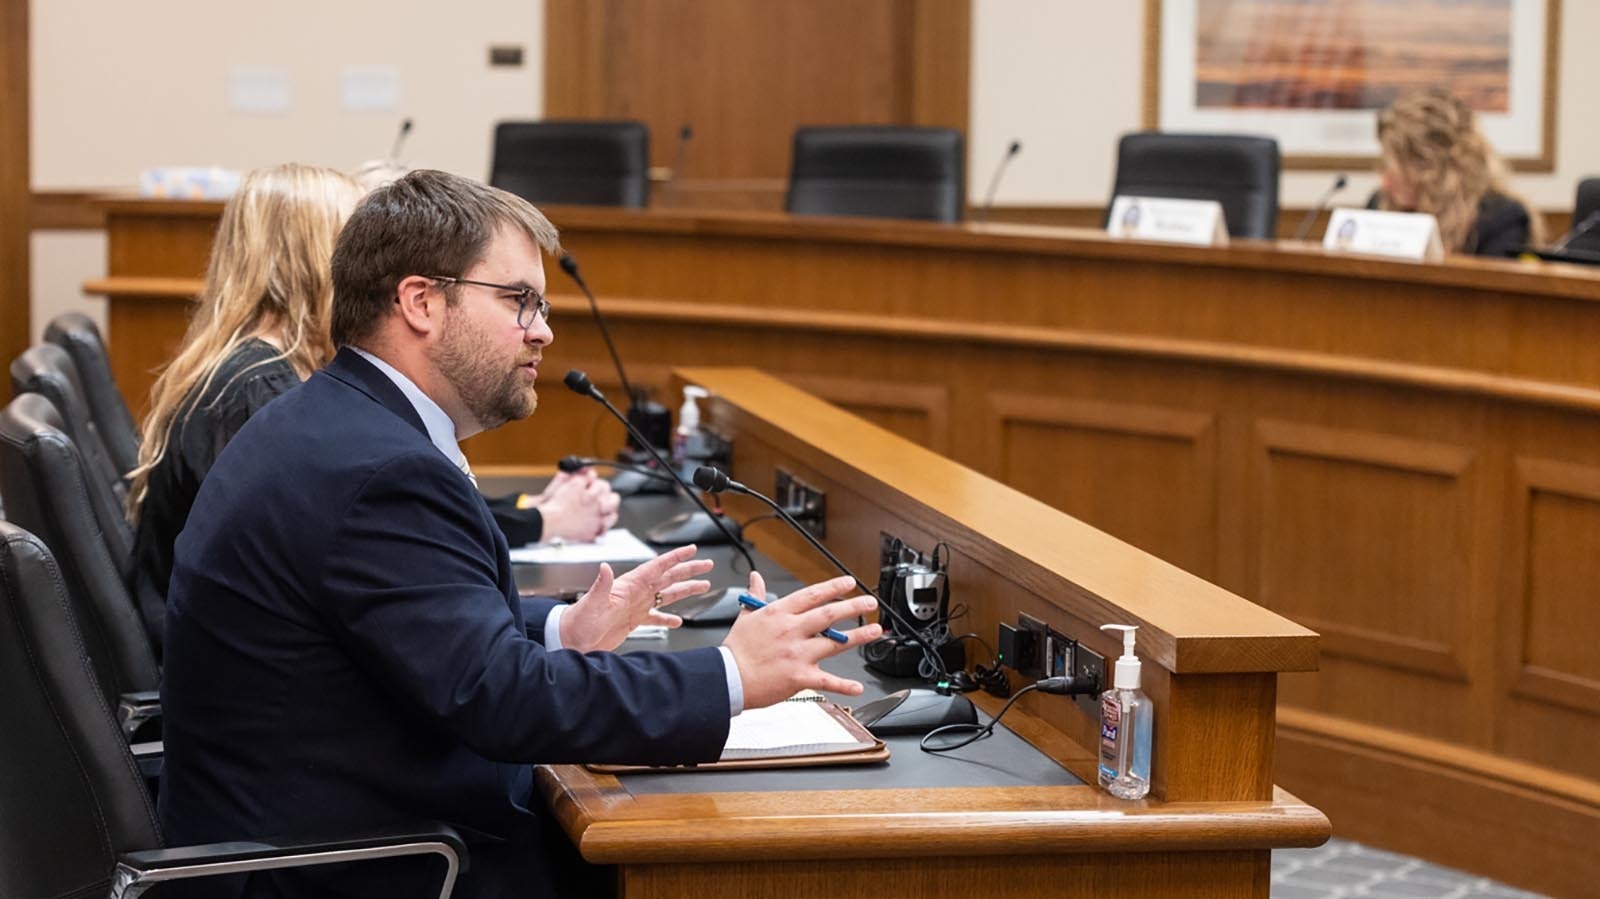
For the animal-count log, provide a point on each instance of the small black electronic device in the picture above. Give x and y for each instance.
(915, 711)
(916, 590)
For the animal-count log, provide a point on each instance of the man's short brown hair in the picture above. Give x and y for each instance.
(426, 223)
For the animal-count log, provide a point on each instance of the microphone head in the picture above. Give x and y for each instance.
(579, 383)
(405, 126)
(685, 131)
(570, 464)
(1340, 182)
(711, 480)
(569, 265)
(1015, 148)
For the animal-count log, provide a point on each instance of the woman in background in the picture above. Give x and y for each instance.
(1436, 161)
(260, 328)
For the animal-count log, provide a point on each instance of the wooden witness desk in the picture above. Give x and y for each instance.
(1404, 458)
(1212, 663)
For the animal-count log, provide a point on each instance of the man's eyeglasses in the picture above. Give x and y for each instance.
(530, 305)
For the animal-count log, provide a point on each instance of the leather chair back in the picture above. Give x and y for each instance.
(42, 479)
(77, 334)
(74, 797)
(47, 369)
(587, 163)
(879, 171)
(1238, 171)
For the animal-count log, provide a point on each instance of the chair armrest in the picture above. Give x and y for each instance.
(139, 871)
(134, 709)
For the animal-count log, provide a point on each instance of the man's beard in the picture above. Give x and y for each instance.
(492, 389)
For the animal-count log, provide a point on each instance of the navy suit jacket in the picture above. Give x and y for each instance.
(346, 648)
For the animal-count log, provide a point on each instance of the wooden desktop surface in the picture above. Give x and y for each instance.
(1213, 816)
(1404, 458)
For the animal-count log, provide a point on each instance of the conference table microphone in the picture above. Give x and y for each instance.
(717, 607)
(1327, 197)
(571, 464)
(982, 213)
(650, 421)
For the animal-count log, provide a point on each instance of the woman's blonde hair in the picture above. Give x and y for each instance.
(1432, 136)
(269, 274)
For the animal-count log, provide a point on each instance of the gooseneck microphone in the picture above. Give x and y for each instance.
(1590, 222)
(570, 464)
(994, 182)
(713, 480)
(644, 417)
(579, 383)
(400, 139)
(1327, 197)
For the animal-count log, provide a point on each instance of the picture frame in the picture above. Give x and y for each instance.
(1313, 75)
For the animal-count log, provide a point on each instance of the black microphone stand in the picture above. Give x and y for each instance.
(724, 607)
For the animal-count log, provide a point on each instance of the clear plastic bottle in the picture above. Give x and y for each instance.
(688, 441)
(1125, 726)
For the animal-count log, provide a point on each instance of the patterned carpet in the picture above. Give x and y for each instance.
(1340, 869)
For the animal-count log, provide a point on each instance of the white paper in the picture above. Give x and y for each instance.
(258, 88)
(615, 545)
(784, 724)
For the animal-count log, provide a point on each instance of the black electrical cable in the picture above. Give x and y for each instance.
(1064, 685)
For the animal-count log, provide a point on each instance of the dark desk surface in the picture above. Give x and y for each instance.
(1003, 759)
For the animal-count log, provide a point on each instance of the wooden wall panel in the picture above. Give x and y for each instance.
(15, 184)
(1143, 474)
(744, 75)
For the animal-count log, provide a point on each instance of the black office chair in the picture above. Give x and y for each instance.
(46, 492)
(587, 163)
(47, 369)
(878, 171)
(1585, 230)
(76, 333)
(1238, 171)
(76, 820)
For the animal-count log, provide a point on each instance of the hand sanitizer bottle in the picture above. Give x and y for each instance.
(688, 443)
(1125, 724)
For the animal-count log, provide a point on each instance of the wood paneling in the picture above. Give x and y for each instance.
(745, 75)
(1401, 454)
(1143, 474)
(15, 183)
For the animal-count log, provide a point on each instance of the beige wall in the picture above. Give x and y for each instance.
(1064, 77)
(120, 86)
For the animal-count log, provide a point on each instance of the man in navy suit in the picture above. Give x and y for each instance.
(346, 647)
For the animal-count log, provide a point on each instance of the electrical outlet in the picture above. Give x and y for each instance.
(805, 503)
(1088, 663)
(1058, 653)
(1038, 631)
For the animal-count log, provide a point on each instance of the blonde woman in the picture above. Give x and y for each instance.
(1436, 161)
(261, 327)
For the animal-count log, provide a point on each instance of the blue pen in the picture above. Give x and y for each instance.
(751, 603)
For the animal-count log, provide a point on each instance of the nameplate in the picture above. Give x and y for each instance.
(1198, 222)
(1403, 235)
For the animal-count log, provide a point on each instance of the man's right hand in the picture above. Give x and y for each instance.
(777, 648)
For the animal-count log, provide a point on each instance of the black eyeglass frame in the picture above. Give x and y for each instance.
(541, 306)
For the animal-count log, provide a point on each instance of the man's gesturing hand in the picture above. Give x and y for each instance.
(602, 618)
(777, 648)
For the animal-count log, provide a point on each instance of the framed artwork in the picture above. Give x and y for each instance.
(1314, 73)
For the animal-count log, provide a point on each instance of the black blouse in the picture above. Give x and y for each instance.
(249, 378)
